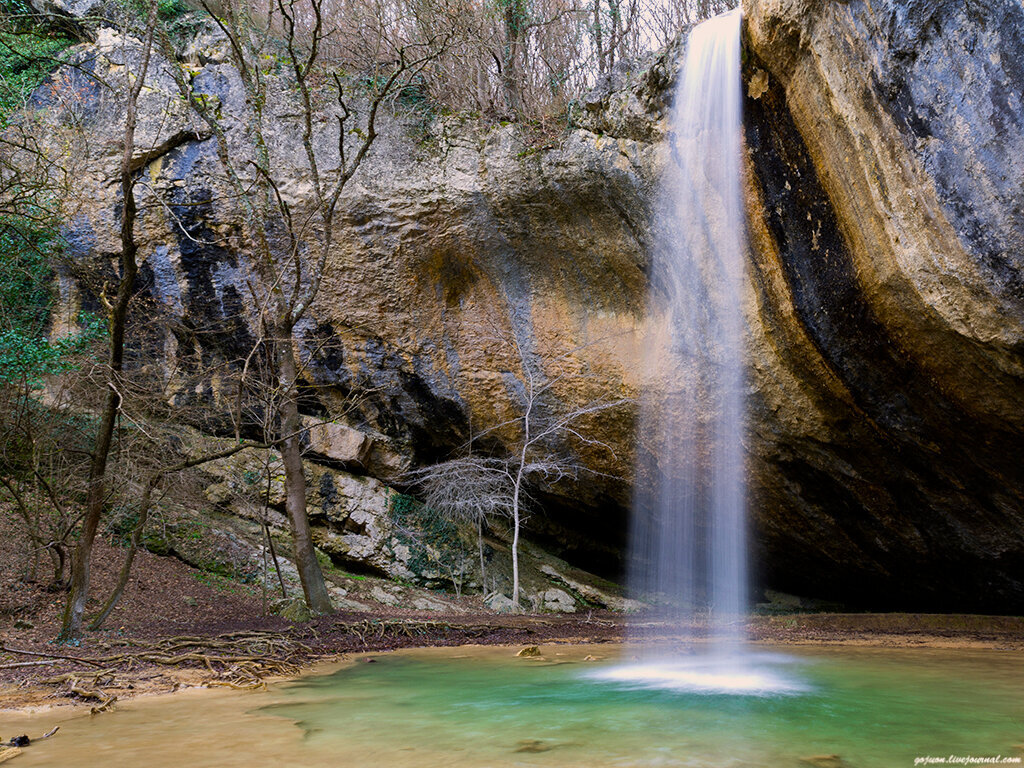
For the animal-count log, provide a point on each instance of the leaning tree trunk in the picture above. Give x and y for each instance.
(81, 561)
(312, 578)
(133, 548)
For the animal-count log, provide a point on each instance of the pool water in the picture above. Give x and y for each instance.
(481, 707)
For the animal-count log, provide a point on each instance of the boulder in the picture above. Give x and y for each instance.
(336, 441)
(499, 603)
(558, 601)
(291, 608)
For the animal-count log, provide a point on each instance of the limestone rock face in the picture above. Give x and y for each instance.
(885, 175)
(353, 517)
(337, 442)
(458, 247)
(886, 179)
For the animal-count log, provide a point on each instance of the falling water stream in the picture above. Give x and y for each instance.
(688, 548)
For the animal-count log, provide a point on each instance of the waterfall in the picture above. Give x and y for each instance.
(688, 551)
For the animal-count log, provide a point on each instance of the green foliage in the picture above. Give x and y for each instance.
(122, 526)
(402, 506)
(179, 21)
(430, 536)
(29, 358)
(166, 10)
(171, 10)
(26, 299)
(253, 477)
(28, 53)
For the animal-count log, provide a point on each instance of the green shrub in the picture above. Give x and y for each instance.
(28, 53)
(26, 299)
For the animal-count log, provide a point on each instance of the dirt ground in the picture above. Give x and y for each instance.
(180, 626)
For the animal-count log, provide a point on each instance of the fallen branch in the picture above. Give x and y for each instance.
(105, 706)
(85, 693)
(5, 649)
(78, 676)
(28, 663)
(24, 741)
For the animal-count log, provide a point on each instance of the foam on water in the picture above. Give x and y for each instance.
(748, 675)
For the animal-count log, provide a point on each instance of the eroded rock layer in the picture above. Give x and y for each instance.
(887, 188)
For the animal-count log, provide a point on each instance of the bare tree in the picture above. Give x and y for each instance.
(470, 491)
(150, 486)
(135, 80)
(530, 60)
(290, 245)
(43, 460)
(520, 59)
(539, 443)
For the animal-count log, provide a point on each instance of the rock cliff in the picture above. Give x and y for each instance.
(887, 219)
(885, 178)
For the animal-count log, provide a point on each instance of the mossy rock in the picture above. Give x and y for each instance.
(293, 609)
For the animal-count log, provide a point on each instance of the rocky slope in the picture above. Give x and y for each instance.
(885, 171)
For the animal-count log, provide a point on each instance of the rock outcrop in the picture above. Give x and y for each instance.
(886, 145)
(460, 245)
(886, 187)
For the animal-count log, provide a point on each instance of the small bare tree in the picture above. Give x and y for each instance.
(539, 452)
(467, 491)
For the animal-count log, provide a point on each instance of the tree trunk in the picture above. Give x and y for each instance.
(512, 69)
(273, 557)
(81, 561)
(515, 537)
(480, 548)
(515, 560)
(126, 567)
(57, 556)
(313, 586)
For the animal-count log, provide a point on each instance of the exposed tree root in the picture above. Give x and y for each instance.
(377, 629)
(242, 660)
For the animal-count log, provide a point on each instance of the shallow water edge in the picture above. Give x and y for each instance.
(483, 705)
